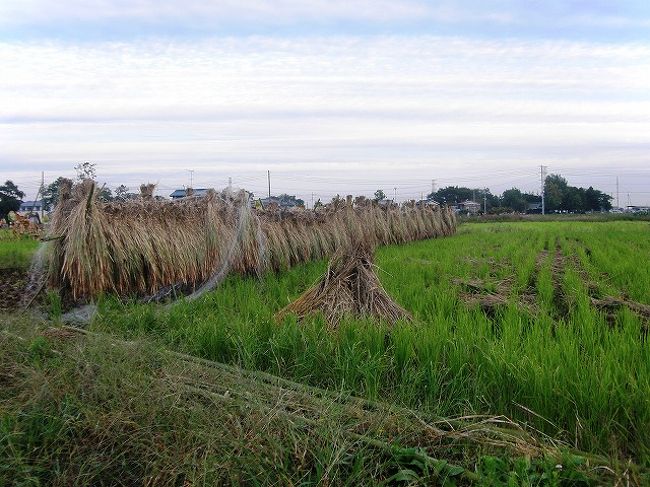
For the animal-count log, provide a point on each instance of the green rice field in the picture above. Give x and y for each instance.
(15, 251)
(541, 324)
(504, 324)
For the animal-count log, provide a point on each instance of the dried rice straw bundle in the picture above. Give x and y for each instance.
(350, 287)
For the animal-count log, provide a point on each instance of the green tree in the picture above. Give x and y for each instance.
(491, 201)
(51, 194)
(452, 195)
(596, 200)
(605, 201)
(514, 199)
(561, 196)
(555, 189)
(105, 194)
(289, 200)
(10, 199)
(380, 195)
(574, 199)
(122, 194)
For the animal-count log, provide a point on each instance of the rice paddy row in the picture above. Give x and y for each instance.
(508, 319)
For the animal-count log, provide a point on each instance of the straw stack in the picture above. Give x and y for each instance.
(135, 247)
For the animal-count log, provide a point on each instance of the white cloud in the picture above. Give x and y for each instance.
(268, 12)
(166, 15)
(397, 108)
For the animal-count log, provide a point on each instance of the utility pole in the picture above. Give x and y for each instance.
(268, 177)
(230, 184)
(484, 204)
(542, 177)
(618, 205)
(394, 195)
(312, 200)
(433, 185)
(191, 171)
(41, 190)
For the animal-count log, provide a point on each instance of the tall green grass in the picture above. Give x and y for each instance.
(562, 370)
(15, 252)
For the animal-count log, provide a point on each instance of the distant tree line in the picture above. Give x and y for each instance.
(559, 196)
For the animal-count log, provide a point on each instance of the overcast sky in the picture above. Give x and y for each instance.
(331, 96)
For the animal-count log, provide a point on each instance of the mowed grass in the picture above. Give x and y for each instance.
(547, 357)
(15, 252)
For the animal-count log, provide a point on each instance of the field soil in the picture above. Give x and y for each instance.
(13, 282)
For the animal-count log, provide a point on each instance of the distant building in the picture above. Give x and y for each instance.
(427, 202)
(182, 193)
(534, 208)
(637, 209)
(471, 207)
(31, 206)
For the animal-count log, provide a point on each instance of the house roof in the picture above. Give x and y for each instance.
(182, 193)
(470, 203)
(428, 201)
(32, 203)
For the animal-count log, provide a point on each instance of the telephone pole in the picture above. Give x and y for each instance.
(395, 195)
(433, 185)
(312, 200)
(268, 177)
(191, 171)
(542, 177)
(41, 190)
(618, 205)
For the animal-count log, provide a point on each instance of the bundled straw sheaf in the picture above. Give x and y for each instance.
(138, 246)
(351, 288)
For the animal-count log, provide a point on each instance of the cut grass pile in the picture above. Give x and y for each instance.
(543, 355)
(89, 410)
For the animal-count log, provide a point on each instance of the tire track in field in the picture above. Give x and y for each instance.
(560, 303)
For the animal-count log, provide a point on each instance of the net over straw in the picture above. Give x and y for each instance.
(136, 247)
